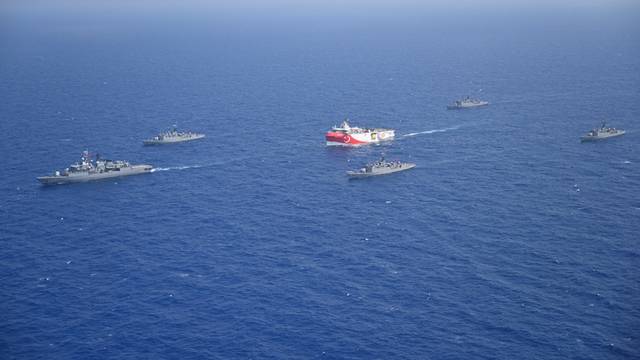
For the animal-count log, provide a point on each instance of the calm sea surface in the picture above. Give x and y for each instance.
(510, 240)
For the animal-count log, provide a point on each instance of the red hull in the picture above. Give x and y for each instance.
(338, 137)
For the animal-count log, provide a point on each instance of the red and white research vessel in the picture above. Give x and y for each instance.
(346, 135)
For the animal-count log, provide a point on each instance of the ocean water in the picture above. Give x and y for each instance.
(510, 239)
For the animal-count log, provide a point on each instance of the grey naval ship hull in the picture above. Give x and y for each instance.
(80, 178)
(172, 140)
(601, 136)
(379, 172)
(470, 106)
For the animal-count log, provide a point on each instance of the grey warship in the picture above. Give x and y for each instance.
(172, 137)
(601, 133)
(467, 103)
(88, 170)
(380, 167)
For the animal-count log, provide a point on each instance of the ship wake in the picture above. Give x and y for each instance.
(176, 168)
(432, 131)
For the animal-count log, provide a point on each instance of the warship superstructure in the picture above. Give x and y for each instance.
(88, 170)
(601, 133)
(467, 103)
(380, 167)
(173, 136)
(347, 135)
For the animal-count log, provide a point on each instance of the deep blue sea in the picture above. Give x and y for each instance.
(510, 240)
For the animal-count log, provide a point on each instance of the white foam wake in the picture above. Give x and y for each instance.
(432, 131)
(176, 168)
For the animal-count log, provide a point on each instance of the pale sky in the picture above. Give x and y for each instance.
(328, 5)
(342, 10)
